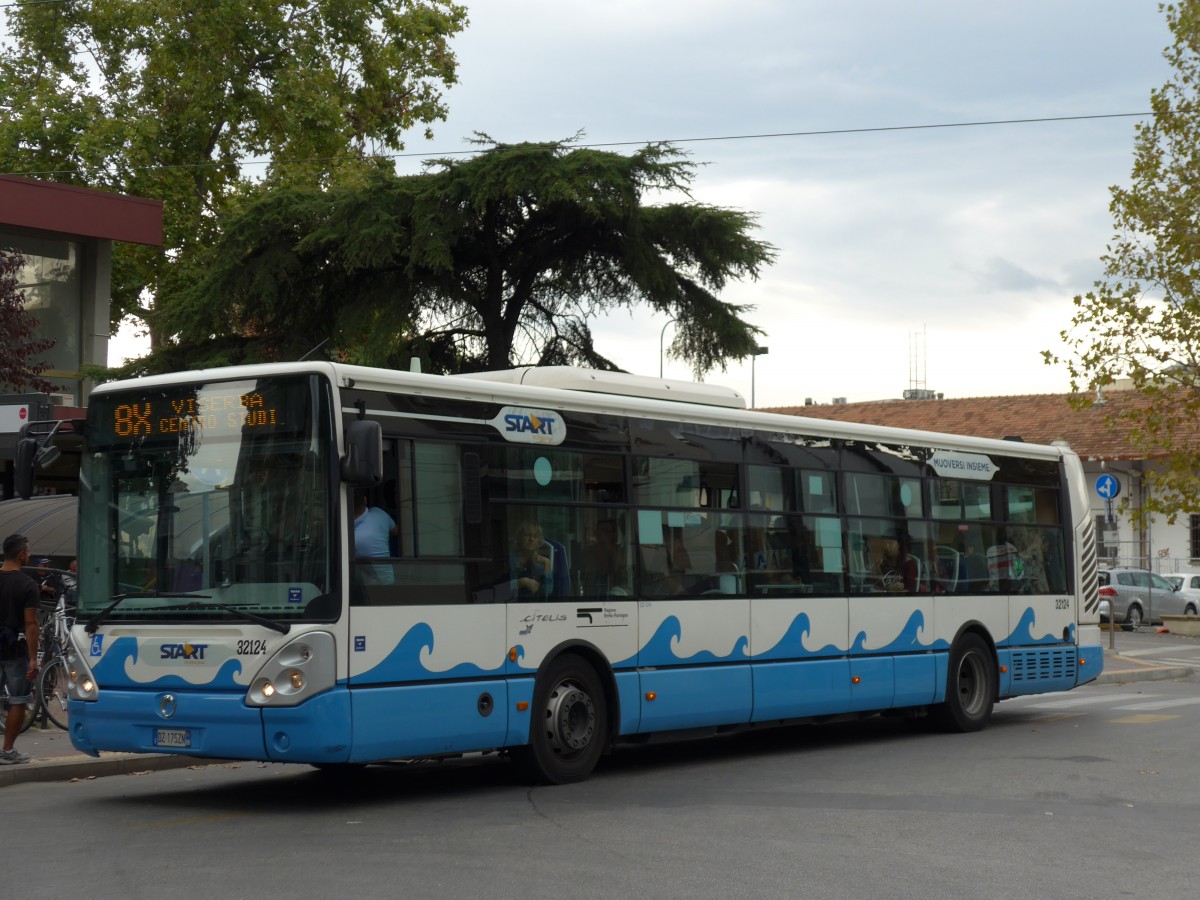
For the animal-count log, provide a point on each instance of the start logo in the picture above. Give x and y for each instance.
(187, 652)
(521, 425)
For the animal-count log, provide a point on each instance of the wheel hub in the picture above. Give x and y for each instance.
(571, 717)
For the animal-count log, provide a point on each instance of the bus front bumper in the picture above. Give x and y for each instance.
(213, 725)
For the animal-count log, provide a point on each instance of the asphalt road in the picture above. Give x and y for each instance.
(1092, 793)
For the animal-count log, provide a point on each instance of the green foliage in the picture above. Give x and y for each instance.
(20, 368)
(168, 99)
(1142, 322)
(499, 259)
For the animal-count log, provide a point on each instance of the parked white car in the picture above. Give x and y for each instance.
(1187, 584)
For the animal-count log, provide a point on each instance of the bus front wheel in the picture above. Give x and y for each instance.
(970, 687)
(570, 724)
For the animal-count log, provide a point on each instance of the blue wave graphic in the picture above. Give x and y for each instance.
(906, 641)
(404, 662)
(1023, 634)
(792, 646)
(110, 671)
(661, 647)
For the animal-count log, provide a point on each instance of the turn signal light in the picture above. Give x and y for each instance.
(856, 680)
(650, 695)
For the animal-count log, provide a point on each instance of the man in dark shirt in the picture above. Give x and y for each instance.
(18, 659)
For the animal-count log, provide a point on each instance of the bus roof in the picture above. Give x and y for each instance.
(605, 393)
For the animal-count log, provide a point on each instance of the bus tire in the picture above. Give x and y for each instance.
(970, 687)
(569, 728)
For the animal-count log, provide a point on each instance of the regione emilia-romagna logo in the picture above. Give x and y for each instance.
(523, 425)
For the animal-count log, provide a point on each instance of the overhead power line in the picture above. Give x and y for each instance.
(877, 129)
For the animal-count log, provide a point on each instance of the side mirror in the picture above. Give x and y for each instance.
(362, 466)
(23, 467)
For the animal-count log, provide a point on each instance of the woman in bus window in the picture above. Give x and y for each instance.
(530, 568)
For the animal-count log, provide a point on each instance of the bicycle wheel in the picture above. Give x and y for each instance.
(52, 691)
(32, 710)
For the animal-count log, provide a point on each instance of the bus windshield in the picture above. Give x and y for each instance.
(209, 495)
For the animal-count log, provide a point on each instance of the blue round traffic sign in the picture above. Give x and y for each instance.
(1107, 486)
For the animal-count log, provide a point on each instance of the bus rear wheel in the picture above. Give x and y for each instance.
(570, 724)
(970, 687)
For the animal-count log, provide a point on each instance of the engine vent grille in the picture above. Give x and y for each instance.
(1051, 663)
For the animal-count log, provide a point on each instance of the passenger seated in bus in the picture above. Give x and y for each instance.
(605, 567)
(666, 566)
(974, 575)
(1006, 569)
(893, 568)
(1033, 556)
(530, 565)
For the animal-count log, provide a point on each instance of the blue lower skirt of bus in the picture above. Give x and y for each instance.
(203, 724)
(1091, 662)
(1043, 669)
(413, 720)
(214, 725)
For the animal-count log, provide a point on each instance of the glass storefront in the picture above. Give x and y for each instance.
(52, 283)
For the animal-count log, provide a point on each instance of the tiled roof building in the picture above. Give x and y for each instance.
(1035, 418)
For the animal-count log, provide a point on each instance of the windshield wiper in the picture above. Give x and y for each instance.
(281, 627)
(118, 599)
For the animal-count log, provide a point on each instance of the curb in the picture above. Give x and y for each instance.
(78, 767)
(1144, 673)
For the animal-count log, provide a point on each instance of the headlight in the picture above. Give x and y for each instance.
(81, 684)
(300, 669)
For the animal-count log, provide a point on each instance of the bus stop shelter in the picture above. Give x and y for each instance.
(48, 522)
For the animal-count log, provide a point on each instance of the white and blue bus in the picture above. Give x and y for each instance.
(578, 559)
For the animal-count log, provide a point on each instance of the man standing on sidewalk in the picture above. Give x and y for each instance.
(18, 659)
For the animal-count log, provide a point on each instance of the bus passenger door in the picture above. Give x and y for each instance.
(427, 651)
(427, 680)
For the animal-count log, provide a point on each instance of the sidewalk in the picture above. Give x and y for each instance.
(1119, 669)
(54, 759)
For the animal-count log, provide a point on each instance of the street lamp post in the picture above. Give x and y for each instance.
(661, 335)
(754, 355)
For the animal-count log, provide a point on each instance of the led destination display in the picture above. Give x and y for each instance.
(222, 410)
(212, 412)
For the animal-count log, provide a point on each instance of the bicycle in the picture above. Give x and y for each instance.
(51, 693)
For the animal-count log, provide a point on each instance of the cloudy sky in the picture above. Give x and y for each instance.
(943, 258)
(969, 241)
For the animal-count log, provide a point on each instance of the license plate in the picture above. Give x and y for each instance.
(172, 737)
